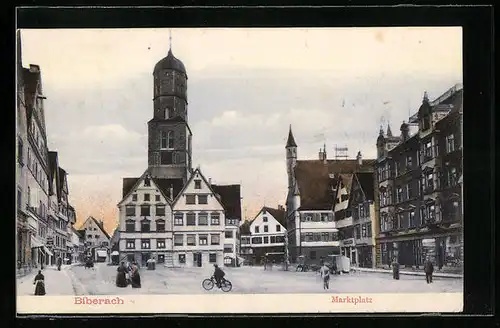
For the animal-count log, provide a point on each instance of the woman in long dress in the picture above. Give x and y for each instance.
(135, 277)
(39, 283)
(121, 279)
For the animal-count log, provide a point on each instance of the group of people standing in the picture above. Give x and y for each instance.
(428, 269)
(128, 274)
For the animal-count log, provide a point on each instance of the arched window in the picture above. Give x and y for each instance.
(170, 138)
(163, 141)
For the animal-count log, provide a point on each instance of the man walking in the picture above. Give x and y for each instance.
(428, 269)
(325, 274)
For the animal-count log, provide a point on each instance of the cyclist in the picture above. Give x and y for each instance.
(218, 274)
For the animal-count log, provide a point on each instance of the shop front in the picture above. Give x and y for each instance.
(348, 249)
(365, 256)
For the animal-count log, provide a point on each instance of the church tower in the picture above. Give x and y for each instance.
(291, 158)
(169, 135)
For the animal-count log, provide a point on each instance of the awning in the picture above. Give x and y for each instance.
(47, 251)
(115, 253)
(101, 253)
(35, 242)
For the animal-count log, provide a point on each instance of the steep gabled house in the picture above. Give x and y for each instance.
(266, 235)
(97, 240)
(317, 198)
(199, 224)
(357, 218)
(230, 197)
(145, 212)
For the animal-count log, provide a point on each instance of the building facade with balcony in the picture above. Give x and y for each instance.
(414, 189)
(265, 234)
(312, 193)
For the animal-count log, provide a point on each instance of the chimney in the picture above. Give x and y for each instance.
(171, 191)
(320, 154)
(210, 181)
(359, 158)
(34, 68)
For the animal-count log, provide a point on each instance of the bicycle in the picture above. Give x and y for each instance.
(225, 285)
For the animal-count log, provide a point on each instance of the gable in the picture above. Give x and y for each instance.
(198, 188)
(274, 218)
(144, 185)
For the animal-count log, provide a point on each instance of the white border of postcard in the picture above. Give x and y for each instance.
(242, 303)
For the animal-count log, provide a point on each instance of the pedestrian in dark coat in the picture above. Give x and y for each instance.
(121, 279)
(428, 269)
(39, 283)
(395, 269)
(135, 277)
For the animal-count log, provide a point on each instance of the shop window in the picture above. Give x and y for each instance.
(312, 255)
(182, 258)
(212, 257)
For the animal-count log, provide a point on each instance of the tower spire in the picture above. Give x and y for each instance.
(170, 40)
(291, 141)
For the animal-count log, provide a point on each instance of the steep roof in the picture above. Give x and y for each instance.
(53, 165)
(317, 180)
(291, 141)
(163, 184)
(81, 233)
(245, 227)
(101, 226)
(366, 182)
(278, 214)
(62, 178)
(230, 197)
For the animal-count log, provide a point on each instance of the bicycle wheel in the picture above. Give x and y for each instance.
(226, 286)
(207, 284)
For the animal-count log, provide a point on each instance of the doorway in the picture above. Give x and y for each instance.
(197, 260)
(145, 258)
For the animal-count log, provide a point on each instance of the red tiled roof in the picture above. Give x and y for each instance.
(101, 226)
(316, 184)
(230, 198)
(278, 214)
(163, 184)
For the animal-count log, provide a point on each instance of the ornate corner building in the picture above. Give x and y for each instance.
(419, 189)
